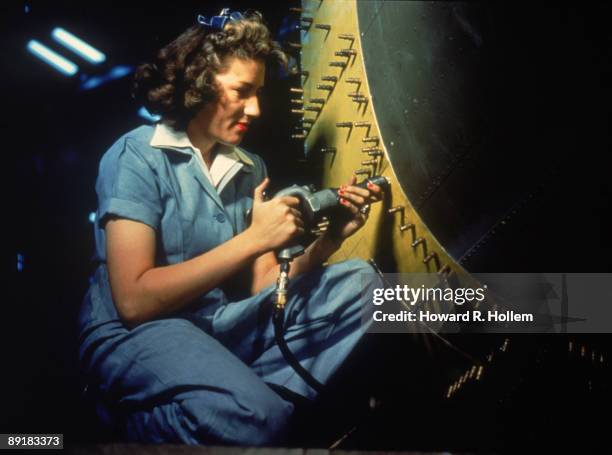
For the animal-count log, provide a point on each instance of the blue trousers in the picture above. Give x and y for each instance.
(202, 378)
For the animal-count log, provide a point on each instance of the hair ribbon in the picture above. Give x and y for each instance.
(218, 22)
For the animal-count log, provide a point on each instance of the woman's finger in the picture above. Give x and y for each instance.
(354, 198)
(295, 212)
(349, 205)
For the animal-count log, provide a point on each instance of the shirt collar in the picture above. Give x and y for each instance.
(167, 137)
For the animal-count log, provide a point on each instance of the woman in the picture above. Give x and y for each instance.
(174, 346)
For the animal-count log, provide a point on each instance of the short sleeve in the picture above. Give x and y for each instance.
(128, 186)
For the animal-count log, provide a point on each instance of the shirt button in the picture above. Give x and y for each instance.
(220, 218)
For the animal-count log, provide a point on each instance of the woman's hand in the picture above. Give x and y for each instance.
(357, 201)
(274, 222)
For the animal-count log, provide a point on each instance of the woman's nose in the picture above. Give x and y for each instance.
(251, 108)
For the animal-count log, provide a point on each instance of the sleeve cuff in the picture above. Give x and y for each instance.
(131, 210)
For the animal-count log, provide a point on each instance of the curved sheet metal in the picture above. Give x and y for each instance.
(470, 100)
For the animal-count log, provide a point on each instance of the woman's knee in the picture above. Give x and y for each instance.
(252, 417)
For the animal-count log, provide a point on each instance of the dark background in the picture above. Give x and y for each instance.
(54, 137)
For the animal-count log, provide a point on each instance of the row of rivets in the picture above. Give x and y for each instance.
(474, 373)
(411, 226)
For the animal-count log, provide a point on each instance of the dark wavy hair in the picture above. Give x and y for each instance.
(181, 80)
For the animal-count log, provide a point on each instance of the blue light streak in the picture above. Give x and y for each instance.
(78, 46)
(52, 58)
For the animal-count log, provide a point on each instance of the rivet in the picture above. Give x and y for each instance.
(405, 227)
(345, 53)
(338, 64)
(328, 149)
(347, 36)
(445, 270)
(323, 27)
(361, 124)
(358, 98)
(397, 208)
(369, 163)
(329, 78)
(370, 149)
(344, 124)
(352, 80)
(325, 87)
(430, 256)
(361, 172)
(479, 373)
(370, 139)
(298, 111)
(296, 90)
(417, 242)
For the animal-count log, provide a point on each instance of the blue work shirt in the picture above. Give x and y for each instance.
(166, 188)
